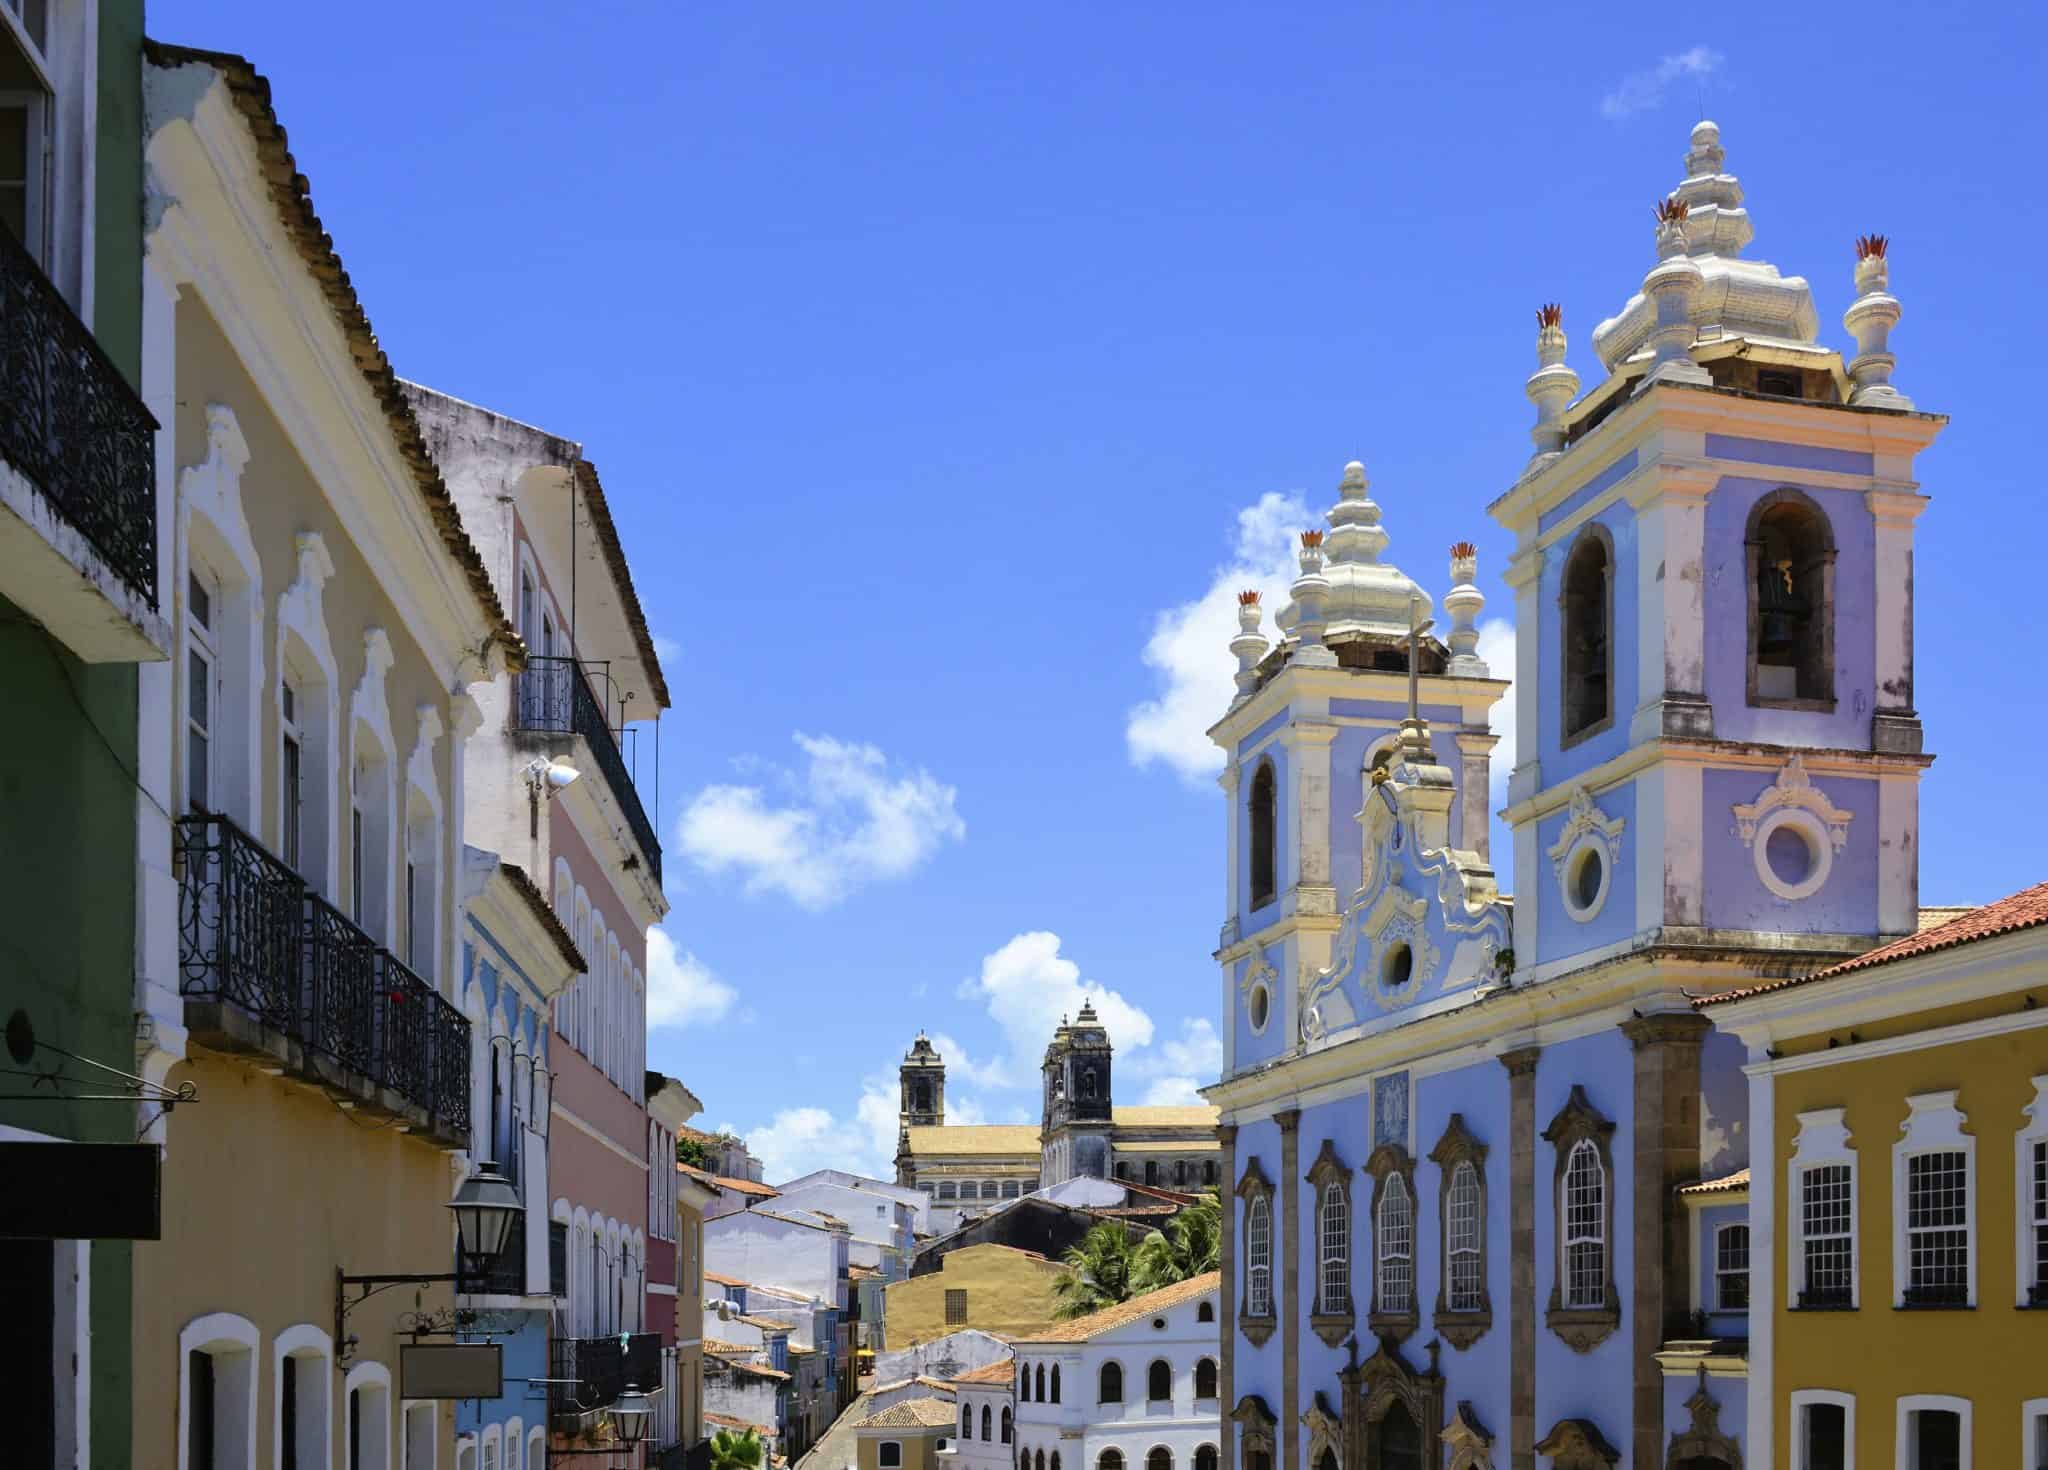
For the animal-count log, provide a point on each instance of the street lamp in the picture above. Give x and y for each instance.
(630, 1413)
(484, 1208)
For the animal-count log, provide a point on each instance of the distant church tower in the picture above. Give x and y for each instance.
(921, 1082)
(1074, 1140)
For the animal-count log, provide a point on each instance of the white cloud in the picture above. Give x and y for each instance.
(1027, 986)
(798, 1140)
(1497, 647)
(1181, 1064)
(681, 990)
(667, 650)
(1173, 1092)
(1642, 90)
(1189, 647)
(847, 819)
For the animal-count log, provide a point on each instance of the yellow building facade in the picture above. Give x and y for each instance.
(993, 1288)
(905, 1436)
(1899, 1201)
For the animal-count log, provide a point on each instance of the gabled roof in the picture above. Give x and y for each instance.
(2026, 909)
(1081, 1329)
(1734, 1183)
(544, 915)
(1192, 1115)
(975, 1139)
(926, 1413)
(726, 1421)
(758, 1370)
(999, 1372)
(725, 1280)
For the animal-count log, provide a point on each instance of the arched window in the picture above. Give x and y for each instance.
(1462, 1227)
(1327, 1460)
(1205, 1457)
(1209, 1172)
(1110, 1460)
(1041, 1460)
(1205, 1378)
(889, 1455)
(1258, 1257)
(1040, 1386)
(1586, 607)
(967, 1421)
(947, 1189)
(1086, 1086)
(1159, 1381)
(1585, 1227)
(1008, 1424)
(991, 1189)
(1791, 552)
(1110, 1384)
(1055, 1382)
(1333, 1250)
(1262, 819)
(988, 1420)
(1394, 1238)
(1024, 1385)
(1206, 1312)
(1055, 1460)
(1159, 1458)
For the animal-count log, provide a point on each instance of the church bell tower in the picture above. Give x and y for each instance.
(921, 1098)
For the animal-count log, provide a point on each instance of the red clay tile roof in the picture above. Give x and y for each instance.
(725, 1280)
(726, 1421)
(1000, 1371)
(530, 894)
(929, 1413)
(2026, 909)
(1125, 1313)
(1726, 1184)
(745, 1186)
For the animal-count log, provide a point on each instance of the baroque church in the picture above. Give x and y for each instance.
(1083, 1133)
(1488, 1159)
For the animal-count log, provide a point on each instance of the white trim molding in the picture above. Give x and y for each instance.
(1933, 1125)
(1903, 1454)
(1793, 802)
(1803, 1398)
(2032, 1133)
(221, 1335)
(316, 1440)
(1823, 1139)
(2034, 1427)
(1588, 834)
(376, 1452)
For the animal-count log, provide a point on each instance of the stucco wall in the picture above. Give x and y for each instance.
(1008, 1291)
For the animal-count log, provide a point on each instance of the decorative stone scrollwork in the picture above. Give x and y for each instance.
(1577, 1444)
(1372, 1391)
(1702, 1439)
(1325, 1434)
(1467, 1444)
(1793, 831)
(1585, 855)
(1255, 1424)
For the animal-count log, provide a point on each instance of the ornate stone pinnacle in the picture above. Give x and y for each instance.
(1870, 319)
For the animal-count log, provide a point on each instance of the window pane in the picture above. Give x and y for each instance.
(1937, 1440)
(1394, 1231)
(1731, 1268)
(1937, 1233)
(1462, 1231)
(1826, 1436)
(1825, 1230)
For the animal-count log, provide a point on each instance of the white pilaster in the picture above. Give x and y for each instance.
(1763, 1254)
(1894, 507)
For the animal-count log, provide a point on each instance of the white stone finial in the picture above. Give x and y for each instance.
(1672, 286)
(1310, 589)
(1249, 645)
(1705, 157)
(1356, 536)
(1870, 319)
(1553, 385)
(1464, 602)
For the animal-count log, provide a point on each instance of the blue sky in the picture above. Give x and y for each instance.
(941, 360)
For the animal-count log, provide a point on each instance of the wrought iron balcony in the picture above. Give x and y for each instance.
(553, 696)
(586, 1375)
(643, 1361)
(71, 425)
(307, 984)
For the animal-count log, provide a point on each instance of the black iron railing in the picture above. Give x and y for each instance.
(585, 1375)
(1942, 1294)
(507, 1276)
(252, 935)
(643, 1361)
(553, 695)
(70, 422)
(1825, 1298)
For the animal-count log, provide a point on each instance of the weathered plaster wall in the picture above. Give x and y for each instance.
(1559, 934)
(1735, 896)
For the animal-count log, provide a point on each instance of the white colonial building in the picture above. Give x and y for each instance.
(988, 1414)
(1135, 1387)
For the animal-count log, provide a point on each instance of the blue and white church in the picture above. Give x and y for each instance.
(1491, 1202)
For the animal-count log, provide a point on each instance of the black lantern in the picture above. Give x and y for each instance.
(630, 1413)
(484, 1210)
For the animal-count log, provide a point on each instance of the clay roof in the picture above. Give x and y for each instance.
(1125, 1313)
(977, 1138)
(715, 1346)
(1933, 916)
(862, 1273)
(759, 1370)
(292, 195)
(622, 577)
(565, 944)
(738, 1186)
(726, 1421)
(1727, 1184)
(2023, 910)
(926, 1413)
(762, 1324)
(725, 1280)
(1196, 1115)
(1000, 1371)
(813, 1224)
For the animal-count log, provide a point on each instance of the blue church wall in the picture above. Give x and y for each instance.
(1724, 1106)
(1257, 1370)
(1735, 896)
(1568, 507)
(1559, 764)
(1791, 456)
(1558, 934)
(1252, 919)
(1253, 1047)
(1596, 1384)
(1726, 610)
(1479, 1373)
(1711, 1219)
(1343, 1122)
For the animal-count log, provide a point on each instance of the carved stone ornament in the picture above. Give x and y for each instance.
(1372, 1388)
(1331, 1321)
(1793, 788)
(1577, 1444)
(1255, 1425)
(1583, 1327)
(1392, 1321)
(1325, 1432)
(1462, 1328)
(1585, 819)
(1702, 1439)
(1467, 1444)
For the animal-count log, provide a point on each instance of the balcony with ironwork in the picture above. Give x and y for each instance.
(78, 519)
(553, 696)
(269, 968)
(586, 1375)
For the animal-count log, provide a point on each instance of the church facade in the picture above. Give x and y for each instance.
(1482, 1153)
(1083, 1133)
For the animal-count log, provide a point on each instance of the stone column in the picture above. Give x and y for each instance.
(1226, 1307)
(1521, 1065)
(1287, 1232)
(1666, 1154)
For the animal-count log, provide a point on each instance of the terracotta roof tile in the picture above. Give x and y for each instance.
(1125, 1313)
(726, 1421)
(530, 894)
(928, 1413)
(2023, 910)
(1726, 1184)
(725, 1280)
(1000, 1371)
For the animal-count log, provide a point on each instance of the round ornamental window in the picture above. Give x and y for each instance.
(1259, 1007)
(1793, 853)
(1398, 968)
(1587, 873)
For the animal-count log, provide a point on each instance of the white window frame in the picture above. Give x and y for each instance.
(310, 1345)
(1823, 1139)
(1914, 1403)
(1933, 1125)
(1804, 1398)
(200, 638)
(430, 1410)
(368, 1378)
(1453, 1250)
(1394, 1194)
(2032, 1133)
(1258, 1259)
(1572, 1299)
(222, 1329)
(1333, 1248)
(36, 109)
(291, 805)
(1720, 1300)
(2034, 1431)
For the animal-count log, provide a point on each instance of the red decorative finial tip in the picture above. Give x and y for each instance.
(1248, 598)
(1310, 540)
(1671, 211)
(1871, 245)
(1461, 550)
(1550, 314)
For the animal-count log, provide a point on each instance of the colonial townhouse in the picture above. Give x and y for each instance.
(552, 760)
(516, 959)
(987, 1397)
(84, 603)
(692, 1200)
(1896, 1239)
(795, 1267)
(670, 1106)
(1483, 1156)
(301, 906)
(1135, 1385)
